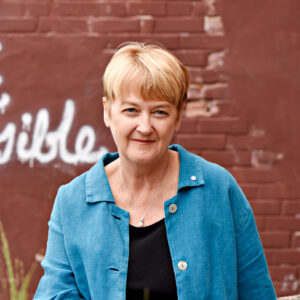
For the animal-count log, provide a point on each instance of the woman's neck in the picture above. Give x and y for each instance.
(137, 177)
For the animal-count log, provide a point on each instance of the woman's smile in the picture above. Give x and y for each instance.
(143, 142)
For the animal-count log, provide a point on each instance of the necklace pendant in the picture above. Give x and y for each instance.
(141, 223)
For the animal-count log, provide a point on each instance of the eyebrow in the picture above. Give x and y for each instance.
(162, 104)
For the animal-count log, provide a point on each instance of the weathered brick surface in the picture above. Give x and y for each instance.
(173, 24)
(63, 25)
(296, 239)
(157, 8)
(213, 124)
(201, 141)
(275, 239)
(36, 8)
(18, 25)
(202, 41)
(283, 256)
(11, 8)
(192, 57)
(223, 125)
(266, 207)
(251, 175)
(283, 223)
(179, 8)
(111, 25)
(89, 9)
(228, 158)
(279, 273)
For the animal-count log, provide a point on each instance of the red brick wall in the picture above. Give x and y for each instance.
(242, 111)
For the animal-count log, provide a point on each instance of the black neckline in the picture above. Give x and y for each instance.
(148, 226)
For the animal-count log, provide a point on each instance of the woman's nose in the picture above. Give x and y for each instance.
(144, 124)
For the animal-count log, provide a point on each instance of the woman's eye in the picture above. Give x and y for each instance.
(161, 112)
(130, 110)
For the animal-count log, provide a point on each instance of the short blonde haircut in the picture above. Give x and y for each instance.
(157, 73)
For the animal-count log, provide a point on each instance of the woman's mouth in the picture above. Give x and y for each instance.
(141, 141)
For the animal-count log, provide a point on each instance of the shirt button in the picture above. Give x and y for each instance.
(182, 265)
(193, 178)
(172, 208)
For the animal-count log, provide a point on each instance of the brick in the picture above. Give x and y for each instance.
(214, 25)
(115, 25)
(282, 223)
(224, 158)
(62, 25)
(147, 25)
(200, 142)
(291, 207)
(222, 125)
(18, 25)
(214, 76)
(179, 8)
(283, 256)
(280, 273)
(209, 108)
(226, 108)
(146, 8)
(179, 25)
(112, 9)
(266, 207)
(250, 190)
(287, 290)
(260, 223)
(192, 57)
(200, 8)
(169, 41)
(196, 74)
(250, 175)
(227, 158)
(201, 108)
(76, 9)
(247, 142)
(194, 91)
(296, 239)
(36, 8)
(188, 126)
(275, 239)
(84, 8)
(217, 91)
(218, 5)
(279, 191)
(292, 190)
(203, 41)
(242, 158)
(11, 9)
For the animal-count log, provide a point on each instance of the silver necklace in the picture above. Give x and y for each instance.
(141, 222)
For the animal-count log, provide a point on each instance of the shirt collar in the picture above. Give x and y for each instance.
(98, 188)
(190, 172)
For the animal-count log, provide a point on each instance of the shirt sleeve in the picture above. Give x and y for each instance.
(58, 281)
(254, 281)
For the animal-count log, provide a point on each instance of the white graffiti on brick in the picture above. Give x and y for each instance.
(46, 145)
(4, 102)
(43, 145)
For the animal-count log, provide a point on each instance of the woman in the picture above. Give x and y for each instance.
(152, 221)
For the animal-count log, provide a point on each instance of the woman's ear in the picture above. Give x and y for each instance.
(106, 115)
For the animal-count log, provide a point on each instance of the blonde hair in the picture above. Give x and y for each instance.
(155, 71)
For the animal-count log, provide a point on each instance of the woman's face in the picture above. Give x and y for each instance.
(142, 130)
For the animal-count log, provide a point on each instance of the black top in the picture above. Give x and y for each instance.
(150, 272)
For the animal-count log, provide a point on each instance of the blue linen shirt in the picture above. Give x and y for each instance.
(213, 232)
